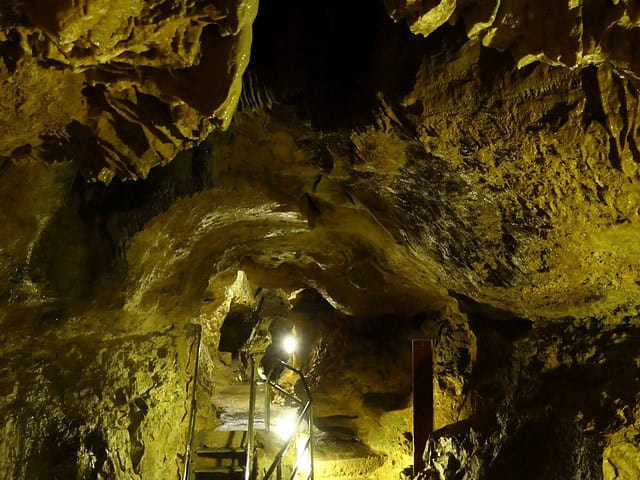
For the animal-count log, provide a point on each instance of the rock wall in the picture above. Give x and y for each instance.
(552, 401)
(118, 87)
(571, 33)
(79, 401)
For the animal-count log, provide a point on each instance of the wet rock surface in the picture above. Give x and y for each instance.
(80, 402)
(551, 401)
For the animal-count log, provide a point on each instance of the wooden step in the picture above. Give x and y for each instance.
(220, 452)
(215, 473)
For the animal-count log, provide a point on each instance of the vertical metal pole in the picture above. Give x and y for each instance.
(311, 439)
(252, 408)
(422, 363)
(279, 471)
(192, 421)
(192, 414)
(267, 403)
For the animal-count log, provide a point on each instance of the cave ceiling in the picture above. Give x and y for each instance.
(118, 86)
(421, 151)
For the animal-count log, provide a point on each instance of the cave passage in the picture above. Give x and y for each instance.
(212, 212)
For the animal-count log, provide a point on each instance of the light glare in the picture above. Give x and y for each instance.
(286, 427)
(290, 343)
(304, 455)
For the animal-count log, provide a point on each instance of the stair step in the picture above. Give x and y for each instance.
(222, 452)
(219, 470)
(216, 472)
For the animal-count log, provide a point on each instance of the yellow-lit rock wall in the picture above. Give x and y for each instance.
(569, 33)
(79, 401)
(119, 87)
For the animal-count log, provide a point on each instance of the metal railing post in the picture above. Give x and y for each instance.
(305, 412)
(267, 403)
(192, 414)
(252, 408)
(310, 447)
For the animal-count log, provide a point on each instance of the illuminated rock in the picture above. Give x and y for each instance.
(121, 86)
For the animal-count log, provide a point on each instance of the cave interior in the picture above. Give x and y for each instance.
(420, 215)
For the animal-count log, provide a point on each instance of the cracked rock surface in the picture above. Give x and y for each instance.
(568, 33)
(118, 86)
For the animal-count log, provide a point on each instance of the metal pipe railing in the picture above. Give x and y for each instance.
(252, 414)
(192, 413)
(306, 410)
(290, 396)
(267, 403)
(301, 375)
(305, 413)
(310, 446)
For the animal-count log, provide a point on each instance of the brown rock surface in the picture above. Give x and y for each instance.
(544, 180)
(571, 33)
(118, 86)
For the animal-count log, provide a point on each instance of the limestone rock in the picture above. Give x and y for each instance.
(421, 20)
(92, 404)
(571, 33)
(513, 168)
(620, 458)
(118, 86)
(541, 402)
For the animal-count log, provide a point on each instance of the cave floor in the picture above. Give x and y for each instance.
(232, 402)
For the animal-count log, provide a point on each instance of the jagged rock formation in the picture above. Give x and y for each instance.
(572, 33)
(92, 404)
(118, 87)
(452, 187)
(542, 400)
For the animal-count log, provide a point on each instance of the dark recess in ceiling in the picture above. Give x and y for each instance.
(333, 57)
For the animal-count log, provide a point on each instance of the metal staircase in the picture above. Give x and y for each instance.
(301, 467)
(236, 459)
(224, 463)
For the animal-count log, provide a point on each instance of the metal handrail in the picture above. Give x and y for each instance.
(278, 388)
(277, 462)
(252, 413)
(267, 404)
(305, 412)
(192, 413)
